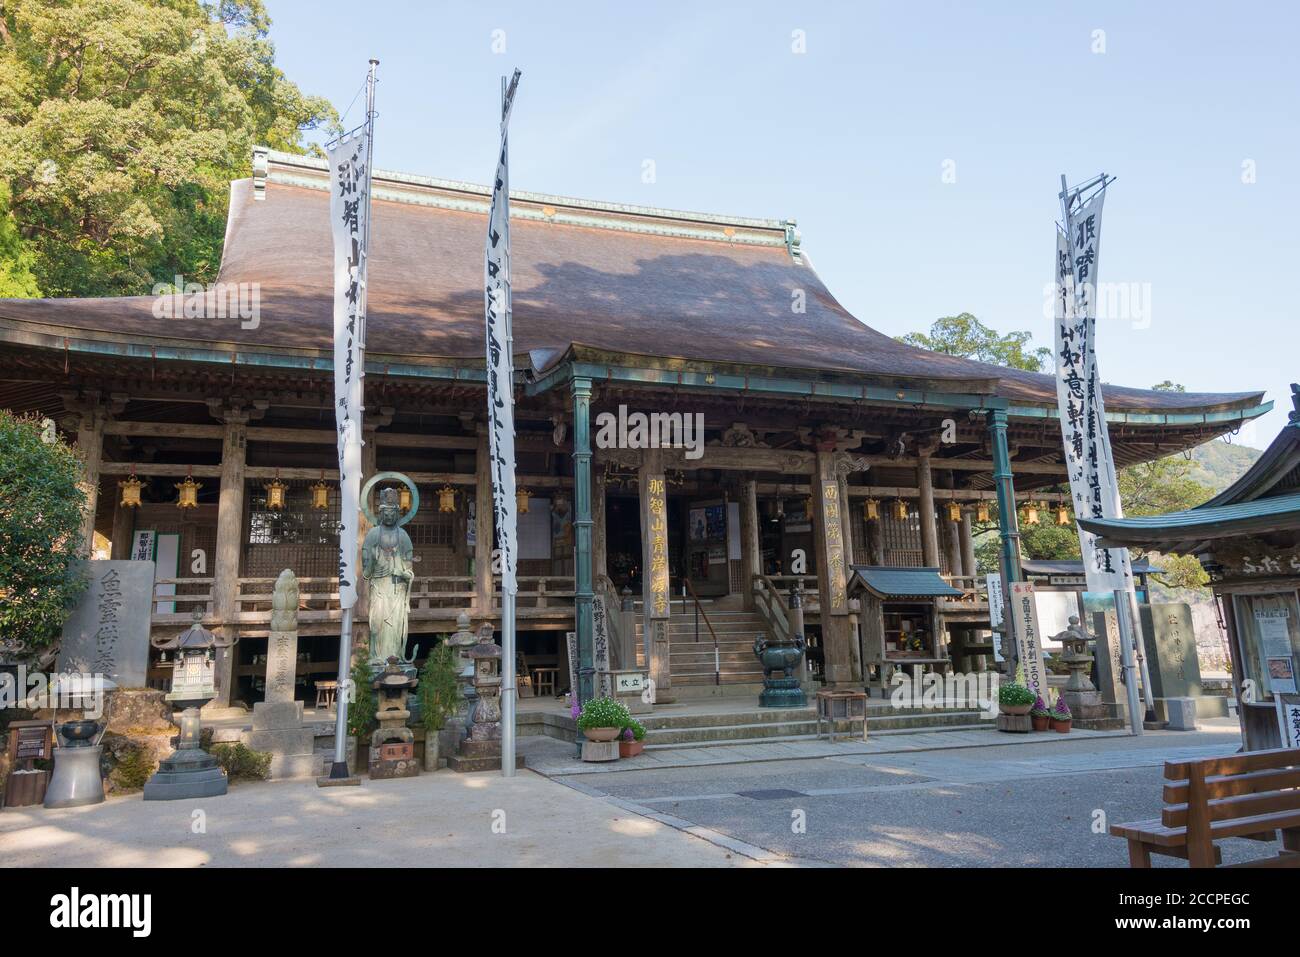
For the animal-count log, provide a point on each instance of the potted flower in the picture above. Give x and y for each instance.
(603, 719)
(1015, 698)
(1041, 714)
(631, 743)
(1061, 716)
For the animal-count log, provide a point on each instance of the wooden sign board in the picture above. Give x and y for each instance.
(30, 741)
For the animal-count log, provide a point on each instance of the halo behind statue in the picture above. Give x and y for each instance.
(387, 477)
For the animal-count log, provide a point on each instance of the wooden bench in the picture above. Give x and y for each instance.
(1252, 795)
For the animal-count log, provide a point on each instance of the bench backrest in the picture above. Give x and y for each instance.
(1221, 789)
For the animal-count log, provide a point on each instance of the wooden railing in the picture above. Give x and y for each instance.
(700, 613)
(771, 606)
(432, 596)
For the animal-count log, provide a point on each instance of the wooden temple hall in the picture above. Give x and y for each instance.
(831, 455)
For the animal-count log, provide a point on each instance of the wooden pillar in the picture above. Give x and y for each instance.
(123, 527)
(828, 533)
(483, 528)
(230, 538)
(751, 550)
(90, 442)
(847, 518)
(925, 506)
(967, 540)
(655, 584)
(952, 535)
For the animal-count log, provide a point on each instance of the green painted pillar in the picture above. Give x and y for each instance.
(582, 597)
(1008, 520)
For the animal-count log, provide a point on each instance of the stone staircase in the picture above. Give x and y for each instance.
(767, 725)
(691, 653)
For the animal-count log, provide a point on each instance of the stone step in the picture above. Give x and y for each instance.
(794, 730)
(659, 721)
(728, 677)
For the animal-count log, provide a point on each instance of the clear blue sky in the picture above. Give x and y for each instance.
(851, 138)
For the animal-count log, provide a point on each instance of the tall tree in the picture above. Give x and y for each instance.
(964, 335)
(122, 123)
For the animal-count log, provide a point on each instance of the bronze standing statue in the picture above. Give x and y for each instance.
(386, 563)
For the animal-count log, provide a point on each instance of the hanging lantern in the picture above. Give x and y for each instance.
(1031, 513)
(189, 489)
(871, 510)
(320, 494)
(982, 512)
(954, 512)
(1062, 514)
(275, 490)
(403, 499)
(521, 500)
(446, 499)
(900, 509)
(130, 490)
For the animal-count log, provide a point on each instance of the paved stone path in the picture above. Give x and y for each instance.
(996, 800)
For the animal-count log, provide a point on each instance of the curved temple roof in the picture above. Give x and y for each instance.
(652, 283)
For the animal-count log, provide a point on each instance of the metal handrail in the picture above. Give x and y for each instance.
(688, 588)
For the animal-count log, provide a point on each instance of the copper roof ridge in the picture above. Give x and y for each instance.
(395, 186)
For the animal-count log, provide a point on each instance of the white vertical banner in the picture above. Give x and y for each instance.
(349, 212)
(500, 362)
(1088, 459)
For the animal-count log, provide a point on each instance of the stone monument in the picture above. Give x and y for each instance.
(481, 751)
(108, 631)
(457, 726)
(1175, 669)
(277, 720)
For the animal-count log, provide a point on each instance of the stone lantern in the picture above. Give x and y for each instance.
(190, 771)
(481, 751)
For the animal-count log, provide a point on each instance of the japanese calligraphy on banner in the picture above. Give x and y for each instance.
(656, 526)
(500, 362)
(833, 529)
(1029, 642)
(349, 212)
(1088, 459)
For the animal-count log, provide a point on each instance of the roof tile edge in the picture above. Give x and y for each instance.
(310, 172)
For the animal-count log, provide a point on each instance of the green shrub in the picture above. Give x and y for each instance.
(635, 727)
(135, 766)
(363, 706)
(439, 691)
(242, 763)
(603, 713)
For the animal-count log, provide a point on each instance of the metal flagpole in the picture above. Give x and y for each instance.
(507, 594)
(339, 769)
(1124, 617)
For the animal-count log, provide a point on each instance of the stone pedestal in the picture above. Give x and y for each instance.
(1180, 713)
(278, 728)
(190, 772)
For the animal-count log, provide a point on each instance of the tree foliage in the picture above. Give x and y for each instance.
(41, 507)
(964, 335)
(122, 123)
